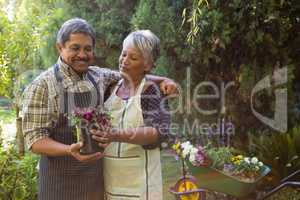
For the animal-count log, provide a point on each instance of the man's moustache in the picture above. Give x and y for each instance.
(82, 60)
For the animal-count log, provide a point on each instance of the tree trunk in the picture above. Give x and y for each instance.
(19, 133)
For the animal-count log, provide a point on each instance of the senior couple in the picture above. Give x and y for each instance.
(130, 166)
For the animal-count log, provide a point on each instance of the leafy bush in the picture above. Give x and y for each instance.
(18, 175)
(281, 151)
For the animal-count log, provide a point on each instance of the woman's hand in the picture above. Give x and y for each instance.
(75, 152)
(168, 87)
(103, 137)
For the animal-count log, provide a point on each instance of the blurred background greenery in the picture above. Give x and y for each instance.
(221, 41)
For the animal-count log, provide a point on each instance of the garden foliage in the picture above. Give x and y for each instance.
(238, 41)
(18, 175)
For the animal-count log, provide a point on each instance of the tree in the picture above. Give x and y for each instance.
(219, 41)
(21, 37)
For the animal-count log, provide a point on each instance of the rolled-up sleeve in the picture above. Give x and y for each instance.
(156, 114)
(36, 117)
(106, 76)
(110, 76)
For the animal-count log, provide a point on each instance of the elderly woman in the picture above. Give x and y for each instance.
(132, 167)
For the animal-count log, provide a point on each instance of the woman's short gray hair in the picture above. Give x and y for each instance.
(75, 25)
(146, 42)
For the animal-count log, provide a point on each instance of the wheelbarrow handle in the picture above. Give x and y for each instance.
(283, 185)
(290, 176)
(187, 192)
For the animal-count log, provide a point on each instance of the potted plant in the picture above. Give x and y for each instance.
(85, 119)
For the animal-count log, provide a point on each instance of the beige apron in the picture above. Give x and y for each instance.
(130, 172)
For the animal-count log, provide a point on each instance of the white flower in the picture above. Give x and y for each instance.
(247, 160)
(194, 151)
(260, 164)
(254, 160)
(185, 144)
(185, 152)
(189, 148)
(186, 148)
(192, 158)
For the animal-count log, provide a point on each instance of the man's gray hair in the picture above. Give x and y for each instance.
(75, 25)
(146, 42)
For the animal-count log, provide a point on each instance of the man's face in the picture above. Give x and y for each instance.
(77, 52)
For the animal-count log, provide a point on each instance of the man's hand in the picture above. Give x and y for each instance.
(74, 151)
(168, 87)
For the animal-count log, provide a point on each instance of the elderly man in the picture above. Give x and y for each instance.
(65, 174)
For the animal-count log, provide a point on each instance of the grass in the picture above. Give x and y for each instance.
(287, 193)
(171, 172)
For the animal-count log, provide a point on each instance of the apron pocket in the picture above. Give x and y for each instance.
(123, 175)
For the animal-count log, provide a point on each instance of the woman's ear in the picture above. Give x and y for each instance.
(148, 67)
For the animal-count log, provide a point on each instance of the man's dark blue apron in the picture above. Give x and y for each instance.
(65, 178)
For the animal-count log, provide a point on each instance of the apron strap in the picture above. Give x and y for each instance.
(141, 87)
(59, 79)
(89, 76)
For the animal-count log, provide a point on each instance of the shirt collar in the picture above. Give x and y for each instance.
(68, 72)
(71, 79)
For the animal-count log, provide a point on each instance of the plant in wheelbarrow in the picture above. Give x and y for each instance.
(219, 169)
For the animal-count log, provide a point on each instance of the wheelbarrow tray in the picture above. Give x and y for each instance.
(216, 180)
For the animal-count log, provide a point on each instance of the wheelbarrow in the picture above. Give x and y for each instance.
(203, 179)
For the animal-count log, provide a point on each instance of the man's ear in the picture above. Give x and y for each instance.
(58, 47)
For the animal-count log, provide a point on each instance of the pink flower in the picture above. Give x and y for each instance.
(200, 156)
(88, 116)
(95, 118)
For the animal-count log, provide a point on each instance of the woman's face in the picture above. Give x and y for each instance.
(132, 63)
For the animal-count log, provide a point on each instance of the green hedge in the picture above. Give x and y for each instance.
(18, 175)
